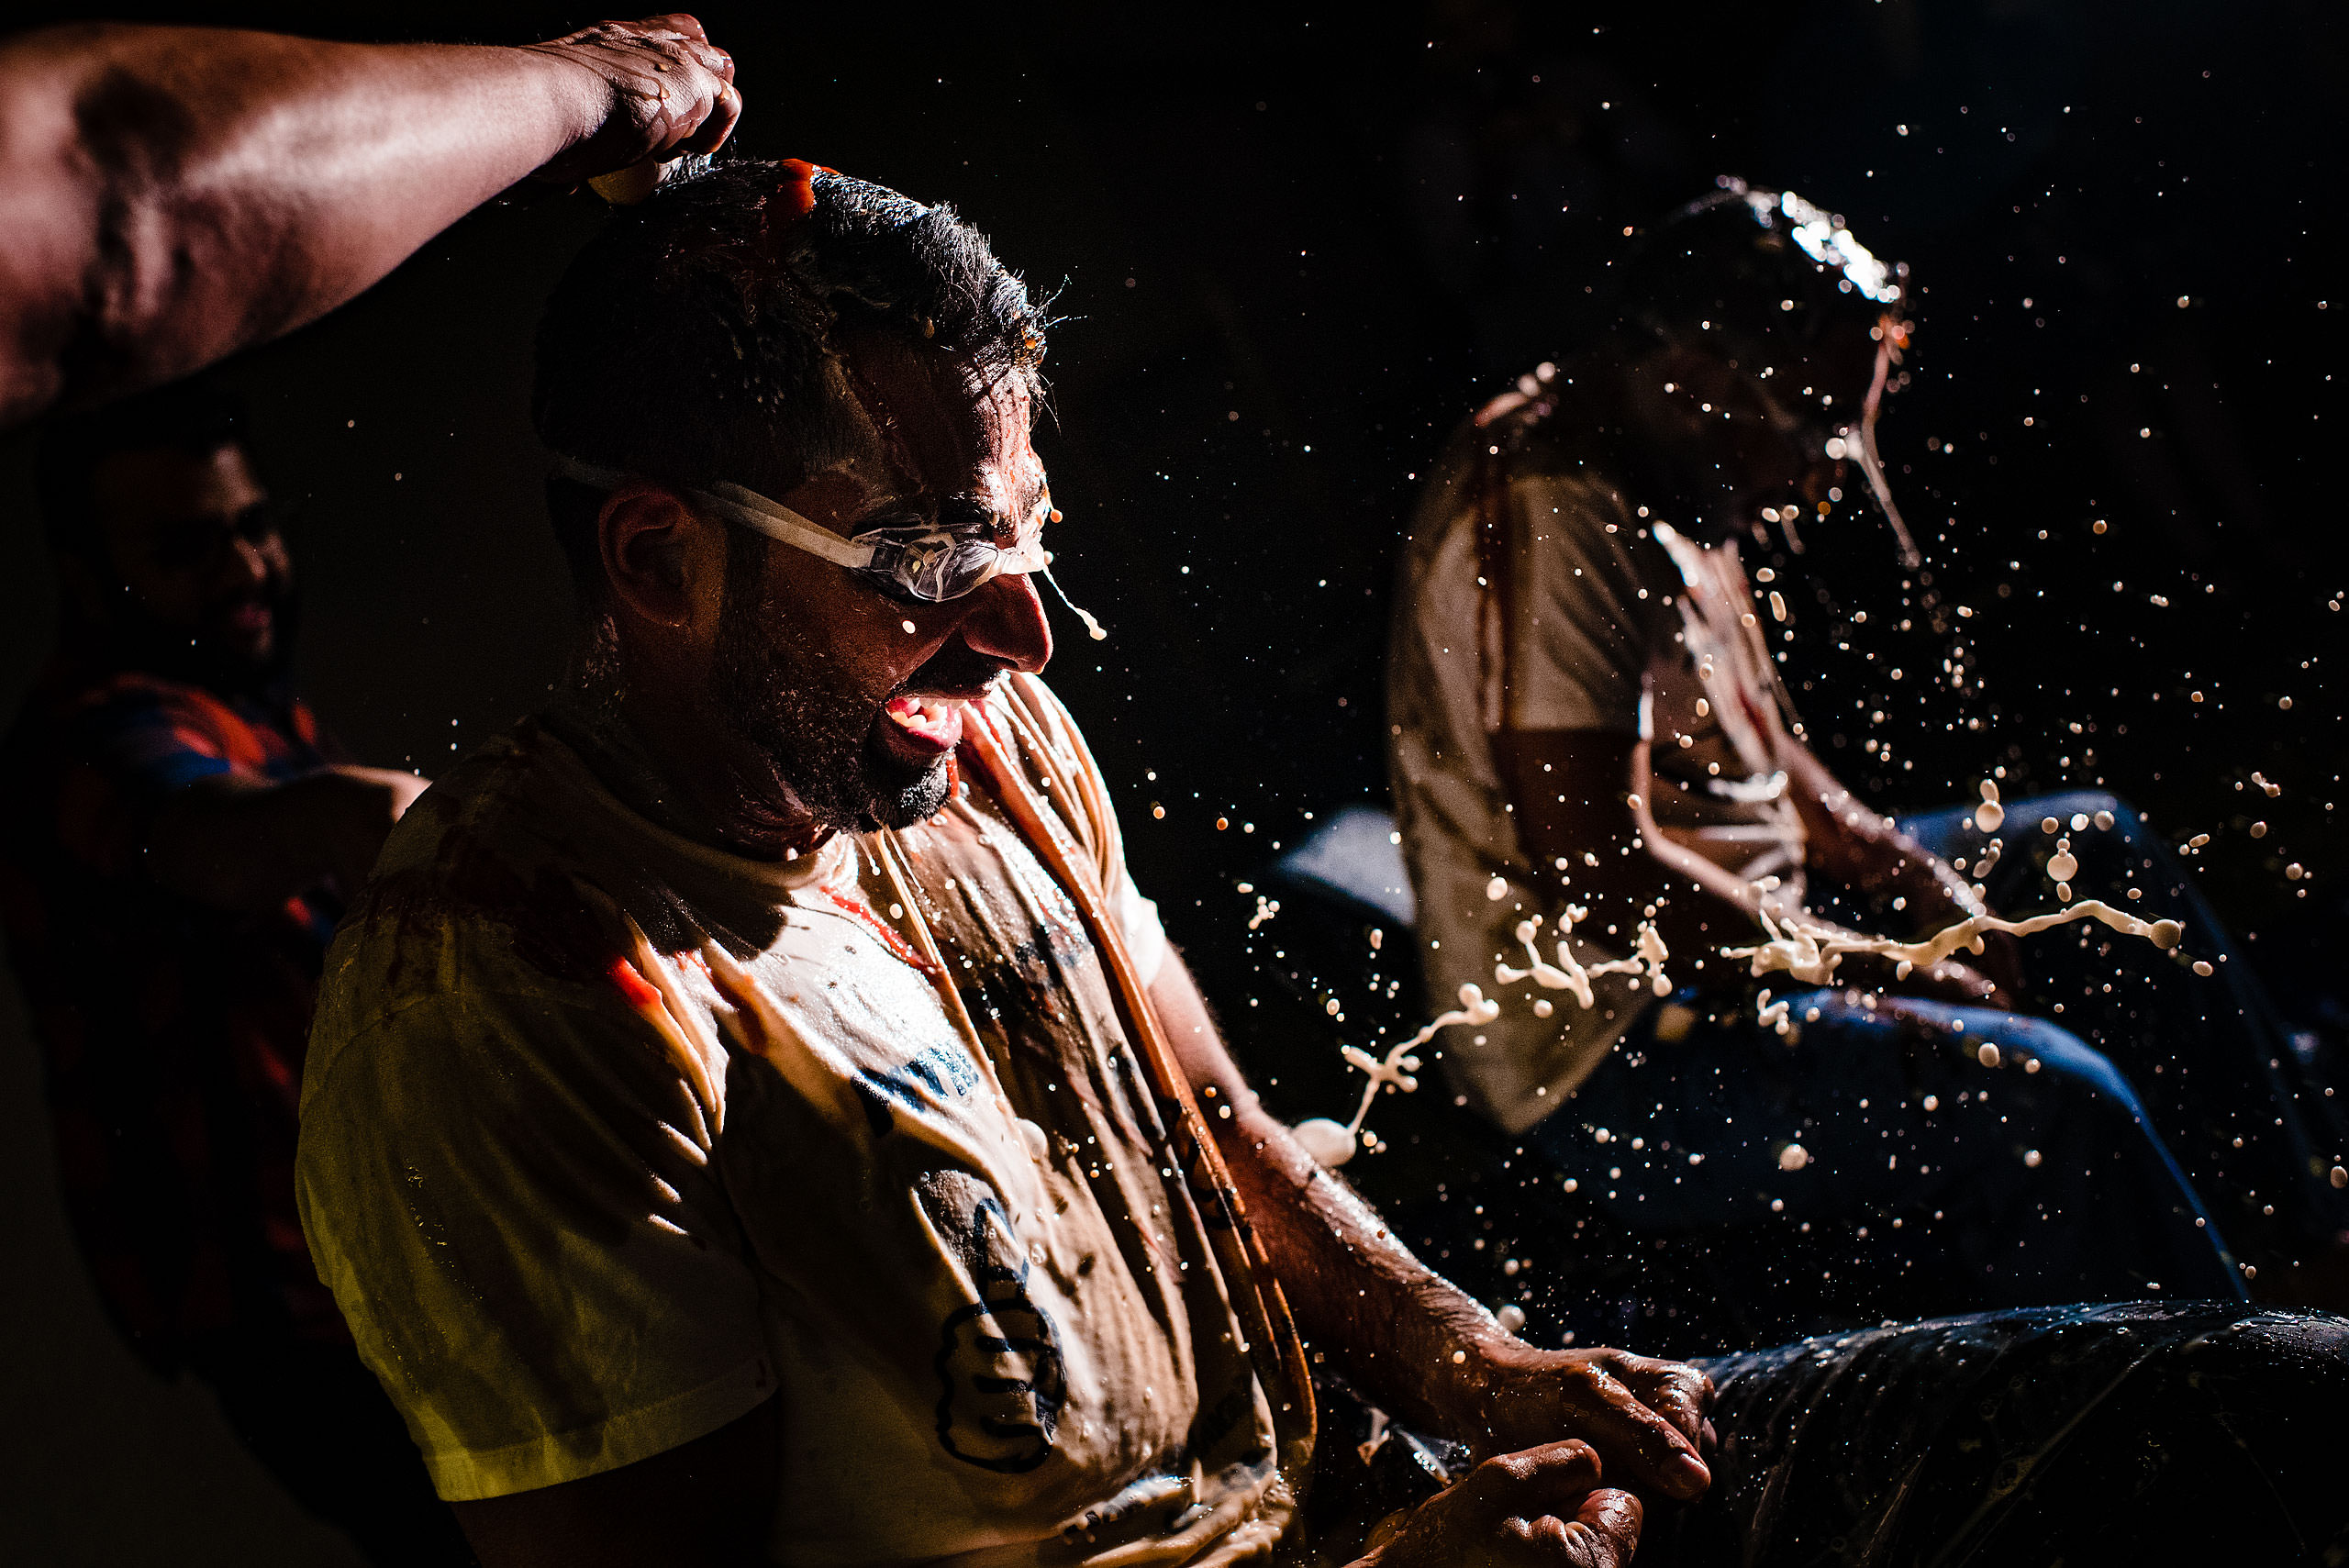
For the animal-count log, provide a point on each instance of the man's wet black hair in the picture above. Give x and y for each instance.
(196, 416)
(1745, 271)
(695, 339)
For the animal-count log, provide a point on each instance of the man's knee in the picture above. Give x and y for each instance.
(2059, 1066)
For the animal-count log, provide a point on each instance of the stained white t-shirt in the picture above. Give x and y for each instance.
(1569, 612)
(609, 1135)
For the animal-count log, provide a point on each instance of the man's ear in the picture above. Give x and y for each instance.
(665, 563)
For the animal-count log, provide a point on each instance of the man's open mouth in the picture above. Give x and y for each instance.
(932, 724)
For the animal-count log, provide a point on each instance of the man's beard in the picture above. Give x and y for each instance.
(826, 745)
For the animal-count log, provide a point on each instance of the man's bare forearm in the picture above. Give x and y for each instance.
(1869, 854)
(169, 195)
(1407, 1338)
(246, 844)
(1387, 1323)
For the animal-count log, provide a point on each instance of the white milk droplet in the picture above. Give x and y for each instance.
(2062, 866)
(1328, 1142)
(1990, 816)
(1497, 889)
(1793, 1157)
(1510, 1317)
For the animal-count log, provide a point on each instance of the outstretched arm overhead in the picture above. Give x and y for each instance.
(169, 195)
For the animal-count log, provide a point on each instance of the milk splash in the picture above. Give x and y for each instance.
(1810, 951)
(1332, 1144)
(1648, 956)
(1093, 629)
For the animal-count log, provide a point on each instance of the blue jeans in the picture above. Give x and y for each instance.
(1870, 1165)
(2146, 1432)
(2242, 1103)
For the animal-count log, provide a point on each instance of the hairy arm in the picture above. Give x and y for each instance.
(169, 195)
(241, 843)
(1413, 1341)
(705, 1504)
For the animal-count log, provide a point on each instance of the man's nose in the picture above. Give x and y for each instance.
(247, 567)
(1006, 622)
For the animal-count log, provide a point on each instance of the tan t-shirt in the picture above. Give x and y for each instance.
(609, 1135)
(1576, 613)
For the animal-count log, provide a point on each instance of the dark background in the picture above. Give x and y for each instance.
(1292, 250)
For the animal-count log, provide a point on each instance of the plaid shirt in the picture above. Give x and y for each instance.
(174, 1033)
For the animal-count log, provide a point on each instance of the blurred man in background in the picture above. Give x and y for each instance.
(1588, 713)
(179, 844)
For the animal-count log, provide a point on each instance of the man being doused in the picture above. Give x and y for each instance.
(1588, 713)
(753, 1116)
(181, 837)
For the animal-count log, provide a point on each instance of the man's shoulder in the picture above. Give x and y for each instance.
(477, 887)
(1522, 450)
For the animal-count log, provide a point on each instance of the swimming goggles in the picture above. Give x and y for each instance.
(925, 561)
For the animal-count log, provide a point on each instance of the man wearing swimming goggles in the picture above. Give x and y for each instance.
(758, 1117)
(922, 563)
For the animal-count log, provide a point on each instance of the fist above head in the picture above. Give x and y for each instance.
(664, 90)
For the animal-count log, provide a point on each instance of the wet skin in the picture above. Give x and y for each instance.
(177, 193)
(932, 439)
(1428, 1351)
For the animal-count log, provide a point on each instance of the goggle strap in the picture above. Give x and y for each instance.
(746, 508)
(779, 522)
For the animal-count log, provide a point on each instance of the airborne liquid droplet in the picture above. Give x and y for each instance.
(1990, 816)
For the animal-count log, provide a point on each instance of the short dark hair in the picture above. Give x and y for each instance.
(693, 340)
(1749, 270)
(197, 416)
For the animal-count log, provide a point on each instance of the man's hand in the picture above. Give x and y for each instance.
(1539, 1509)
(1645, 1416)
(1412, 1343)
(662, 90)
